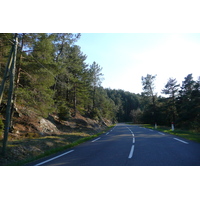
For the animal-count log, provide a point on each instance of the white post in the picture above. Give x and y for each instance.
(172, 126)
(155, 126)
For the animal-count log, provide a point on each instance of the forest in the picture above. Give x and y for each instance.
(52, 76)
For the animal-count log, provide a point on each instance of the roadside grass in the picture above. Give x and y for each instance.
(187, 134)
(44, 146)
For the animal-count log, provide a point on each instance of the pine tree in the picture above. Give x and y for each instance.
(95, 79)
(37, 74)
(148, 87)
(184, 102)
(171, 89)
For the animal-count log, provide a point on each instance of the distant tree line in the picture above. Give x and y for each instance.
(52, 76)
(180, 104)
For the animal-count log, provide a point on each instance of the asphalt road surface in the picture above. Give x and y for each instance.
(129, 145)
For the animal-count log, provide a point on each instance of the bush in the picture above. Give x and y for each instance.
(95, 114)
(64, 112)
(136, 116)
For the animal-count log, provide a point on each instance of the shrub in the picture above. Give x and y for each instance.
(64, 112)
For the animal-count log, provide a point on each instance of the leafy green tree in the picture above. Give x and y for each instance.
(136, 115)
(37, 75)
(124, 103)
(185, 102)
(148, 87)
(75, 70)
(95, 80)
(117, 99)
(171, 89)
(104, 106)
(5, 46)
(62, 43)
(195, 107)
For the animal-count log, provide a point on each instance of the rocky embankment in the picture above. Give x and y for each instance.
(32, 135)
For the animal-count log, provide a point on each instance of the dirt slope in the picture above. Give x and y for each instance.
(33, 135)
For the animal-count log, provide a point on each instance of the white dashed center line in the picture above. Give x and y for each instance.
(131, 152)
(96, 139)
(181, 140)
(132, 147)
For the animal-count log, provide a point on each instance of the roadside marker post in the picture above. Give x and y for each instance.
(172, 126)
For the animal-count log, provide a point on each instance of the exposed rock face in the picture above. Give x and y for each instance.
(28, 124)
(47, 128)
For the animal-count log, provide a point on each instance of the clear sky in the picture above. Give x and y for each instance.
(126, 57)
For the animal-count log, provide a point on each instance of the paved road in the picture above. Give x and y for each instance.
(127, 145)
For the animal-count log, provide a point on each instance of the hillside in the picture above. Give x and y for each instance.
(33, 135)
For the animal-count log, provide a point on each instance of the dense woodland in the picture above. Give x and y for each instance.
(52, 76)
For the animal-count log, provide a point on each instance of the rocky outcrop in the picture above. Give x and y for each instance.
(28, 124)
(47, 128)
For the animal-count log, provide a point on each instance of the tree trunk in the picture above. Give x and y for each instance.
(154, 110)
(67, 93)
(6, 73)
(154, 107)
(93, 99)
(75, 110)
(173, 114)
(10, 98)
(18, 73)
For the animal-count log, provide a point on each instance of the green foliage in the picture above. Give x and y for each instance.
(52, 69)
(64, 112)
(123, 103)
(188, 104)
(37, 93)
(148, 84)
(136, 115)
(5, 47)
(148, 87)
(182, 106)
(95, 114)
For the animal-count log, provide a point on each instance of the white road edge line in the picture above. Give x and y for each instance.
(161, 133)
(133, 140)
(181, 141)
(107, 133)
(96, 139)
(53, 158)
(131, 152)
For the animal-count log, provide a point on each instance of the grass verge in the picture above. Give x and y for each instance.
(35, 149)
(187, 134)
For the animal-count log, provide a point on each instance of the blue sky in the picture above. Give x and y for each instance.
(126, 57)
